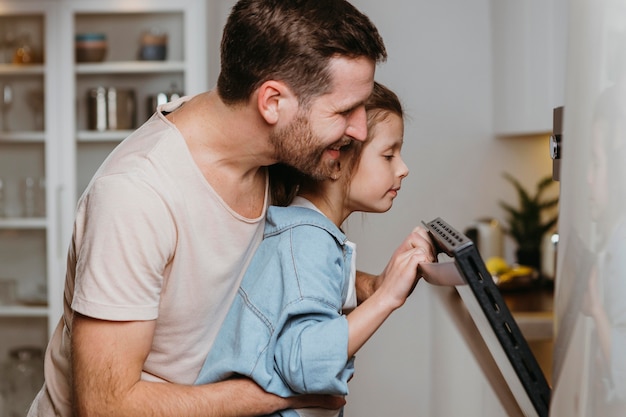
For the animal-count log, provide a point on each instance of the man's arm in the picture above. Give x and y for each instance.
(107, 359)
(367, 284)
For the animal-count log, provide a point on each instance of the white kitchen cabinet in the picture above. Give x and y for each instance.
(59, 149)
(29, 230)
(529, 54)
(123, 23)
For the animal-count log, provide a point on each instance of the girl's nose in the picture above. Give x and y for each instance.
(403, 170)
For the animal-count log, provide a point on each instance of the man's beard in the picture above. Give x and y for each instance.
(297, 146)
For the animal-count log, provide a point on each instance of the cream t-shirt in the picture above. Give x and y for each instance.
(152, 241)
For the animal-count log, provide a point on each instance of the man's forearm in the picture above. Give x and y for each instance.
(107, 359)
(366, 284)
(240, 397)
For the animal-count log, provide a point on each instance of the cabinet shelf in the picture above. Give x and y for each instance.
(50, 141)
(131, 67)
(105, 136)
(23, 223)
(23, 136)
(23, 311)
(15, 69)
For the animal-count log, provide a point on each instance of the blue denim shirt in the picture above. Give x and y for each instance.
(285, 329)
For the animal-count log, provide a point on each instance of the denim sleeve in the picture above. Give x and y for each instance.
(311, 352)
(312, 343)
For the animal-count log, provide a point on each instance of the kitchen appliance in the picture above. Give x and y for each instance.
(590, 295)
(555, 142)
(487, 235)
(505, 344)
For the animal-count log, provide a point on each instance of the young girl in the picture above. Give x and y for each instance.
(287, 328)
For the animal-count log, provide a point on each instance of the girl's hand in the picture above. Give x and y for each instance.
(415, 249)
(390, 289)
(400, 275)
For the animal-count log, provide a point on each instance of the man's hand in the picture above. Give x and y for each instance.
(329, 402)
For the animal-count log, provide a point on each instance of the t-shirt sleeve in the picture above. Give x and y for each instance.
(126, 237)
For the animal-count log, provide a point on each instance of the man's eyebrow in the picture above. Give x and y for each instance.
(352, 107)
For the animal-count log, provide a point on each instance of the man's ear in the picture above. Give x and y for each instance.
(273, 99)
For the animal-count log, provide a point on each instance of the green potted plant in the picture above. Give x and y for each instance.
(530, 220)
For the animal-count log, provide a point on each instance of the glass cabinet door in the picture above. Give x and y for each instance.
(49, 144)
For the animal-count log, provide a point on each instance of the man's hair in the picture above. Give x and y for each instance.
(291, 41)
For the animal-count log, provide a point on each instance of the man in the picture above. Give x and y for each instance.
(169, 222)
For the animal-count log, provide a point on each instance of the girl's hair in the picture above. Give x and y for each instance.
(382, 100)
(380, 104)
(292, 41)
(285, 181)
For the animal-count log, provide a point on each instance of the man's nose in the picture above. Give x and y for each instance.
(357, 124)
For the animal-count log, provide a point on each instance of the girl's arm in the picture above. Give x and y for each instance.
(400, 278)
(367, 284)
(312, 351)
(314, 342)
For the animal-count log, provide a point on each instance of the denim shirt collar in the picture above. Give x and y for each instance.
(281, 218)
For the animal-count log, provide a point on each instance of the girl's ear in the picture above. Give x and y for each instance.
(275, 100)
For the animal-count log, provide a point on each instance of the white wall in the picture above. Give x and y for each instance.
(440, 65)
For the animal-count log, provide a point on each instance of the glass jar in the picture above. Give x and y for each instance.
(24, 379)
(153, 45)
(25, 53)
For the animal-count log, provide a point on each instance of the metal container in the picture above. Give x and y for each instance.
(111, 108)
(155, 100)
(488, 236)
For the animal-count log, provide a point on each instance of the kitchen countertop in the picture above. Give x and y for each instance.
(533, 310)
(530, 301)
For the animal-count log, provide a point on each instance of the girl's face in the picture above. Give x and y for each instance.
(376, 179)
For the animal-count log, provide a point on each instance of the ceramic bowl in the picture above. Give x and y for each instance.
(90, 47)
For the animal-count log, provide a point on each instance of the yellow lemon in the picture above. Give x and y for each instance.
(518, 271)
(496, 265)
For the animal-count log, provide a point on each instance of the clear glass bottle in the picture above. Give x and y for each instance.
(29, 197)
(24, 379)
